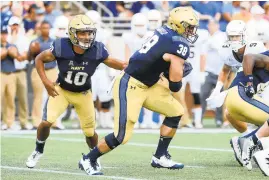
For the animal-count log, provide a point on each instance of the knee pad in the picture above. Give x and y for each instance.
(88, 132)
(105, 105)
(172, 122)
(111, 141)
(196, 97)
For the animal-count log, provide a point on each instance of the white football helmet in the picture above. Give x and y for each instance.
(236, 28)
(154, 19)
(61, 26)
(139, 24)
(95, 17)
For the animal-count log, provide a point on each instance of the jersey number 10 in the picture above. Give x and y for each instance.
(79, 80)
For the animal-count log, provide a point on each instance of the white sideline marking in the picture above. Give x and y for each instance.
(136, 131)
(64, 172)
(130, 143)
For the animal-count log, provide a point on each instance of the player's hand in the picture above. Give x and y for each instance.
(249, 89)
(50, 87)
(125, 64)
(187, 68)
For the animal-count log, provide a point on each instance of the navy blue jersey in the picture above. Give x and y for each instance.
(75, 70)
(147, 64)
(260, 75)
(7, 64)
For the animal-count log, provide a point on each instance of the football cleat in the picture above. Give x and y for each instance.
(90, 167)
(98, 165)
(261, 158)
(165, 162)
(248, 150)
(237, 148)
(33, 159)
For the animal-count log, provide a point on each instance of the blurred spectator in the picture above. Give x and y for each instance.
(5, 12)
(257, 25)
(266, 8)
(8, 84)
(244, 13)
(214, 65)
(43, 42)
(142, 7)
(17, 9)
(40, 15)
(208, 10)
(117, 8)
(30, 21)
(182, 4)
(228, 10)
(51, 13)
(22, 43)
(66, 11)
(163, 6)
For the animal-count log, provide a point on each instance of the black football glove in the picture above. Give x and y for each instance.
(248, 86)
(187, 69)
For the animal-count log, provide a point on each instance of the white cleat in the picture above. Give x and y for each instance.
(165, 162)
(91, 168)
(33, 159)
(262, 160)
(247, 152)
(235, 144)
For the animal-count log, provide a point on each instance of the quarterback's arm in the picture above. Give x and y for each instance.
(43, 57)
(115, 63)
(257, 60)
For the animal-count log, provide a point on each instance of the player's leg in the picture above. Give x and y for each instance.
(38, 89)
(128, 98)
(250, 110)
(22, 90)
(3, 101)
(160, 100)
(84, 107)
(52, 110)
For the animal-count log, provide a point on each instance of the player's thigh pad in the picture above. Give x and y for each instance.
(54, 107)
(83, 104)
(129, 95)
(160, 100)
(252, 110)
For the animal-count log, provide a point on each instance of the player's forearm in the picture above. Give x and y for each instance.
(39, 64)
(248, 64)
(115, 63)
(223, 76)
(3, 54)
(176, 71)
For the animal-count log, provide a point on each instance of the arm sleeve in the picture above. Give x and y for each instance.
(55, 48)
(102, 52)
(179, 48)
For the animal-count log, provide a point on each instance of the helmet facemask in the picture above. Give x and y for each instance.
(190, 32)
(84, 42)
(237, 43)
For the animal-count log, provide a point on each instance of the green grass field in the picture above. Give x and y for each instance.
(206, 156)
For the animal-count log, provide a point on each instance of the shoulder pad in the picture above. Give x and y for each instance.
(162, 31)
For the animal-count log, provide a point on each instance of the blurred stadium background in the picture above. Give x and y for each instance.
(23, 21)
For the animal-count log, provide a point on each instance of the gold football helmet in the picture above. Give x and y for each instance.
(82, 23)
(185, 21)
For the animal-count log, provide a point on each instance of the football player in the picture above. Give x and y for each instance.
(233, 52)
(255, 69)
(154, 19)
(101, 79)
(137, 87)
(77, 58)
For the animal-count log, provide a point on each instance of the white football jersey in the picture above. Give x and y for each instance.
(196, 49)
(133, 41)
(253, 47)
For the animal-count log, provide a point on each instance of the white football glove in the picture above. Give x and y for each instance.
(216, 99)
